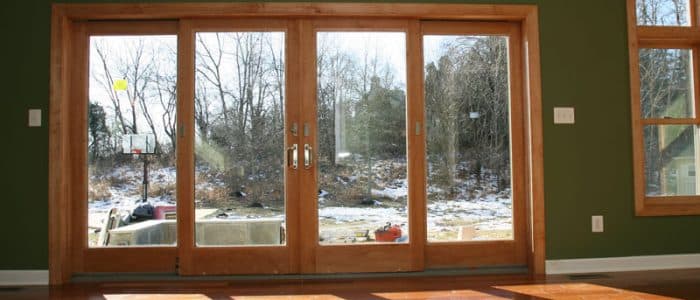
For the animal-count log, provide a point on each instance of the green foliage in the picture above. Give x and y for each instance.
(378, 126)
(98, 133)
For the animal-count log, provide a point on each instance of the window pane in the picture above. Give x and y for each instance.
(669, 160)
(239, 145)
(663, 12)
(467, 108)
(131, 141)
(361, 135)
(666, 83)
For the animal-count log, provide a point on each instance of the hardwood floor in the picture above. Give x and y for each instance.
(676, 284)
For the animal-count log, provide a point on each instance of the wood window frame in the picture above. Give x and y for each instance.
(64, 85)
(676, 37)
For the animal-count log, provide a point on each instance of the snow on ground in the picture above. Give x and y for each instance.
(125, 197)
(97, 210)
(486, 211)
(339, 215)
(398, 190)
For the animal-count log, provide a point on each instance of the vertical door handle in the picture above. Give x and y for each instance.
(308, 158)
(293, 156)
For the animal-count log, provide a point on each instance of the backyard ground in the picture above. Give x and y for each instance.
(348, 205)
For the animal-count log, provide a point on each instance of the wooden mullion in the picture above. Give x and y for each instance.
(693, 6)
(695, 75)
(654, 44)
(185, 146)
(292, 187)
(474, 28)
(664, 200)
(416, 135)
(668, 36)
(132, 27)
(242, 24)
(308, 197)
(670, 121)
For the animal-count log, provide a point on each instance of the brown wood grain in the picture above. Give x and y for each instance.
(185, 146)
(416, 147)
(484, 253)
(666, 284)
(302, 253)
(535, 149)
(60, 268)
(229, 10)
(660, 37)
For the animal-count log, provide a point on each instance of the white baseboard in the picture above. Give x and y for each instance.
(622, 264)
(24, 277)
(557, 266)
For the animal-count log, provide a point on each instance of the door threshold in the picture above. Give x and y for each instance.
(159, 277)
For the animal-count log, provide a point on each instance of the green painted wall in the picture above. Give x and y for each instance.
(588, 166)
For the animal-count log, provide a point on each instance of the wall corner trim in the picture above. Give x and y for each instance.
(623, 264)
(24, 277)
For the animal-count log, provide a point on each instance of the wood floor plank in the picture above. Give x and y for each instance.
(675, 284)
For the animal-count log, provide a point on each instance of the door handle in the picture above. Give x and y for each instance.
(308, 156)
(293, 156)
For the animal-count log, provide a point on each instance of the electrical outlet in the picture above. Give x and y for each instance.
(597, 223)
(564, 115)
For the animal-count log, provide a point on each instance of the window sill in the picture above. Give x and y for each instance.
(668, 206)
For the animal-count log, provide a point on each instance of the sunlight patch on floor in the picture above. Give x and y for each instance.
(577, 291)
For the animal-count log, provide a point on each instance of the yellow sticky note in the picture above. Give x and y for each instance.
(120, 85)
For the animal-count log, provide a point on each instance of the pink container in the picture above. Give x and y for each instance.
(165, 212)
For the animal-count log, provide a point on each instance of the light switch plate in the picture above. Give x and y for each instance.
(597, 224)
(34, 118)
(564, 115)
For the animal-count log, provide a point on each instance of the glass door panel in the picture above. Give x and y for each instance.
(239, 144)
(131, 141)
(474, 145)
(469, 188)
(241, 217)
(361, 111)
(358, 209)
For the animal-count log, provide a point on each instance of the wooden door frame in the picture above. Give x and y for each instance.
(62, 161)
(492, 252)
(226, 260)
(362, 257)
(86, 259)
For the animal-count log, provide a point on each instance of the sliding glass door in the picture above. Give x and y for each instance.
(475, 206)
(282, 146)
(357, 203)
(242, 153)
